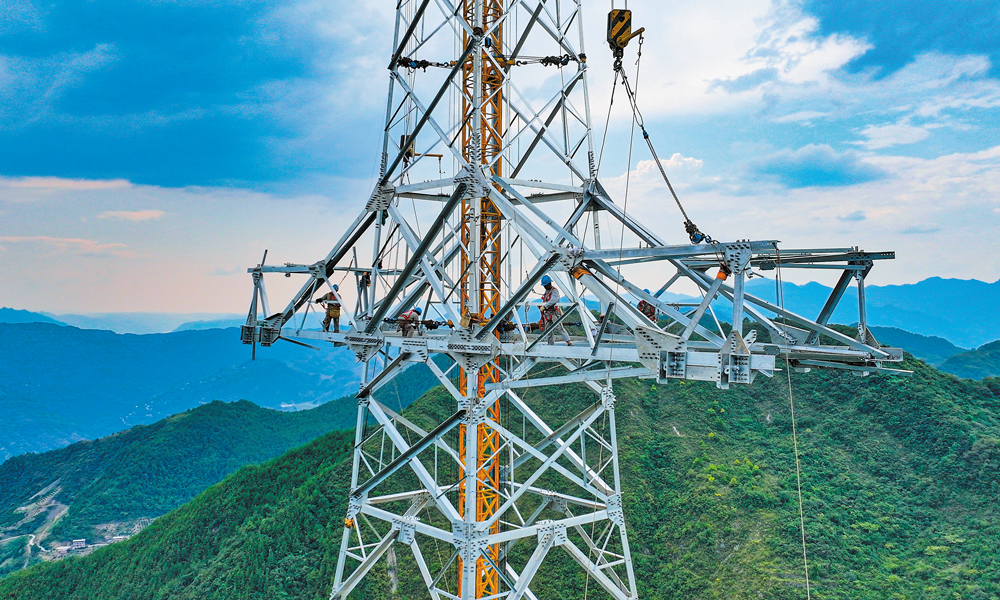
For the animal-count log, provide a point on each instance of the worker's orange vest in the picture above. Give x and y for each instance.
(332, 305)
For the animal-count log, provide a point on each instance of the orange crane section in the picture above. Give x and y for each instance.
(489, 123)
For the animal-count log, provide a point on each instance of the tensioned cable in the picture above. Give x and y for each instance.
(795, 437)
(694, 233)
(621, 250)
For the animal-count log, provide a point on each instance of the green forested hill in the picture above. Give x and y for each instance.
(975, 364)
(900, 480)
(148, 470)
(933, 350)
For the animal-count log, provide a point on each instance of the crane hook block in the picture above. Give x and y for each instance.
(620, 30)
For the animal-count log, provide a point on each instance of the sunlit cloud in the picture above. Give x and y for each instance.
(76, 245)
(61, 183)
(132, 215)
(224, 272)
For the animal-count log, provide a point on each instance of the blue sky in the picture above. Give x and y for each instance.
(150, 150)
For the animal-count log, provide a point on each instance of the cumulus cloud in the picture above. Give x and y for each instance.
(685, 173)
(18, 16)
(227, 272)
(815, 165)
(132, 215)
(252, 93)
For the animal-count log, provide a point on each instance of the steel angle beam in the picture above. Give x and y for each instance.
(596, 572)
(679, 252)
(419, 255)
(472, 45)
(850, 367)
(408, 454)
(550, 329)
(800, 321)
(485, 258)
(365, 566)
(387, 372)
(596, 375)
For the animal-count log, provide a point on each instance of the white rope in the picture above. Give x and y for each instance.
(795, 435)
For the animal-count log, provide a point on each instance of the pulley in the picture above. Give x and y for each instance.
(620, 31)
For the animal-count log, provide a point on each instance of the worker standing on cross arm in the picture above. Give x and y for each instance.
(332, 302)
(551, 312)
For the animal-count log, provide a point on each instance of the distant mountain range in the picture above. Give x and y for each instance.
(52, 377)
(146, 322)
(930, 349)
(140, 322)
(61, 384)
(12, 315)
(954, 309)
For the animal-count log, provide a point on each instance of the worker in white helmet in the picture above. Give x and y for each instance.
(331, 301)
(551, 312)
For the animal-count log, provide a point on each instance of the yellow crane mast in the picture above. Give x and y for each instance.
(482, 141)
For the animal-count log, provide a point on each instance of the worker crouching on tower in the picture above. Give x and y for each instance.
(332, 302)
(648, 309)
(409, 321)
(551, 312)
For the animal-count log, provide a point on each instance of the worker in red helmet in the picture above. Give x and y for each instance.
(331, 301)
(409, 320)
(550, 311)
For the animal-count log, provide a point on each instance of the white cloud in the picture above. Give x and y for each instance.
(803, 116)
(706, 64)
(19, 15)
(173, 267)
(132, 215)
(884, 136)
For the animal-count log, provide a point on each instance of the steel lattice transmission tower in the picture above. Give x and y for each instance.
(488, 183)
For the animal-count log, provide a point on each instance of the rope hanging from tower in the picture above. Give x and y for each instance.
(619, 34)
